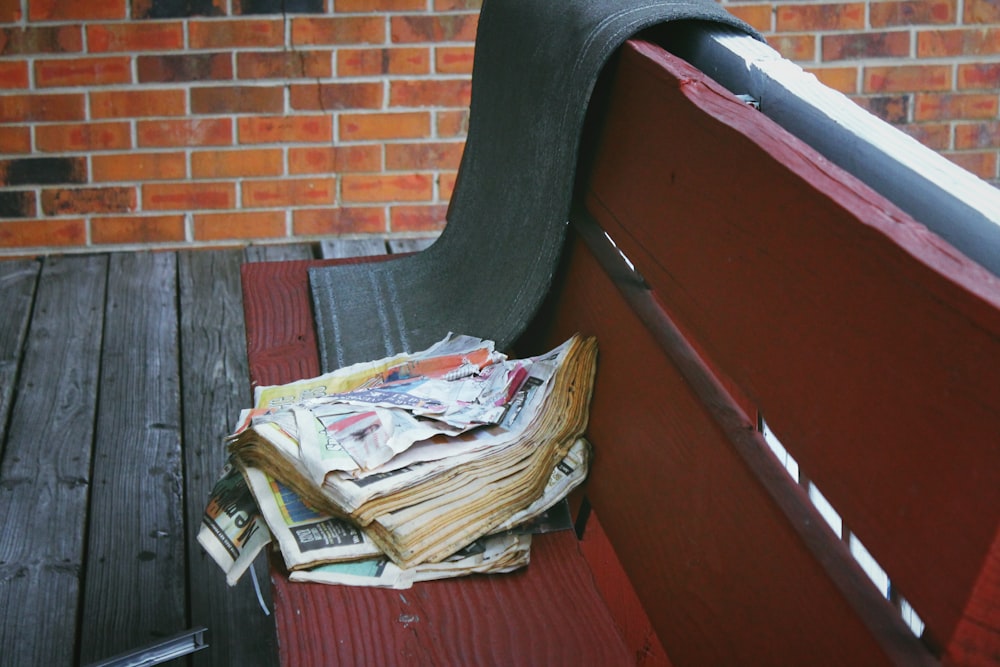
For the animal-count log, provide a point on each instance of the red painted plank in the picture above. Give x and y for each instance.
(547, 614)
(724, 575)
(870, 345)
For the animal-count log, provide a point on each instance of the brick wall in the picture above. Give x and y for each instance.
(164, 123)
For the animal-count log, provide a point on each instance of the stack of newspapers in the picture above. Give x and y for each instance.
(414, 467)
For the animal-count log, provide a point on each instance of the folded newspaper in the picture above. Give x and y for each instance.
(404, 469)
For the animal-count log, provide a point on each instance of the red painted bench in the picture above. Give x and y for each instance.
(762, 285)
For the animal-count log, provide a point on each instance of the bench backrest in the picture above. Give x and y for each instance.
(770, 285)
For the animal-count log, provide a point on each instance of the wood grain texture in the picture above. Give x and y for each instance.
(214, 380)
(135, 588)
(45, 476)
(401, 246)
(548, 614)
(17, 283)
(342, 248)
(871, 346)
(279, 252)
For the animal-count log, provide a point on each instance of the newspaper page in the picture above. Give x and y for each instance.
(232, 529)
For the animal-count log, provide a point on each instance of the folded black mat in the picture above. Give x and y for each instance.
(536, 64)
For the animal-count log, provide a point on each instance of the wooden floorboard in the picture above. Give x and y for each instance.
(45, 475)
(215, 381)
(135, 582)
(17, 283)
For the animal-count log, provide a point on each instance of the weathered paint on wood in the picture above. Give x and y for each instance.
(45, 476)
(135, 588)
(870, 345)
(17, 283)
(548, 614)
(214, 380)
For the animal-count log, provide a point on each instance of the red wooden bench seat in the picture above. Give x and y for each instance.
(766, 282)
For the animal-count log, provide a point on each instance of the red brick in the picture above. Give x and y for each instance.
(400, 125)
(946, 43)
(911, 12)
(41, 39)
(239, 225)
(137, 103)
(453, 59)
(338, 30)
(890, 108)
(979, 76)
(907, 78)
(335, 221)
(255, 33)
(936, 136)
(843, 79)
(423, 156)
(10, 11)
(237, 99)
(446, 185)
(430, 93)
(955, 106)
(456, 5)
(83, 137)
(418, 218)
(285, 129)
(758, 16)
(376, 62)
(186, 67)
(136, 229)
(453, 123)
(76, 201)
(794, 47)
(981, 163)
(433, 28)
(895, 44)
(977, 135)
(15, 139)
(820, 18)
(30, 233)
(82, 72)
(41, 108)
(981, 11)
(188, 196)
(237, 163)
(334, 159)
(134, 167)
(64, 10)
(386, 188)
(335, 96)
(13, 74)
(284, 65)
(289, 192)
(155, 36)
(185, 132)
(368, 6)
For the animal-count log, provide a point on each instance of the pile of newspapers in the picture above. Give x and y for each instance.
(414, 467)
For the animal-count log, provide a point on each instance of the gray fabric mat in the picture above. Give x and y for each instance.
(536, 64)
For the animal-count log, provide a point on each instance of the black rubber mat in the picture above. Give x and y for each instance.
(536, 65)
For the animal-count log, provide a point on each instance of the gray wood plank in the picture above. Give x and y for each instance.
(342, 248)
(399, 246)
(135, 584)
(44, 479)
(279, 252)
(215, 387)
(17, 291)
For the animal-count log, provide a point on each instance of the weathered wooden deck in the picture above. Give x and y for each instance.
(119, 375)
